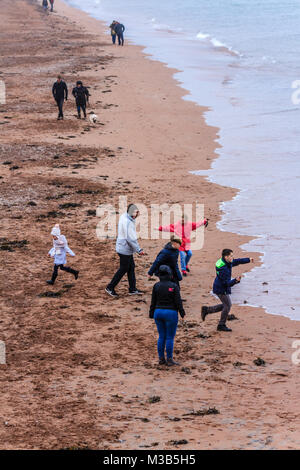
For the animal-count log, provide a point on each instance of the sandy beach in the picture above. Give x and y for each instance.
(81, 367)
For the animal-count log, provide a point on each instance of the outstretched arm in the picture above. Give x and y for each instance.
(196, 225)
(166, 228)
(238, 261)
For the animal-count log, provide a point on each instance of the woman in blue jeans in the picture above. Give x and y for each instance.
(165, 305)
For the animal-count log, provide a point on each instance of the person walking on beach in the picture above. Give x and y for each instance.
(222, 287)
(183, 229)
(81, 95)
(165, 305)
(168, 256)
(59, 253)
(126, 246)
(113, 32)
(51, 5)
(45, 5)
(119, 29)
(60, 94)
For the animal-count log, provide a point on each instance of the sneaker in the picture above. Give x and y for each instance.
(136, 292)
(223, 328)
(76, 275)
(111, 292)
(50, 283)
(188, 269)
(184, 273)
(78, 117)
(162, 361)
(204, 312)
(171, 362)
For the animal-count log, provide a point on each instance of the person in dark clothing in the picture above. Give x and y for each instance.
(52, 4)
(113, 32)
(222, 287)
(119, 29)
(81, 95)
(168, 256)
(165, 305)
(60, 94)
(45, 5)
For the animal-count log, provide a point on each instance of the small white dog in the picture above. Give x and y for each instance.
(93, 117)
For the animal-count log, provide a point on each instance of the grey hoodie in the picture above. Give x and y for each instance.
(127, 243)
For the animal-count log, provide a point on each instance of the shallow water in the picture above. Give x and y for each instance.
(239, 58)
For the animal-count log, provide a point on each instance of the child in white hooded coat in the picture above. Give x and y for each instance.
(59, 253)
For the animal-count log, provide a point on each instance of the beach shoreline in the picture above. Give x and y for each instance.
(148, 138)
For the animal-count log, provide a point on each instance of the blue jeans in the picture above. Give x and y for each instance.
(166, 322)
(185, 257)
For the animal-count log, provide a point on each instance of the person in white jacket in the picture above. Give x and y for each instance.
(59, 253)
(126, 246)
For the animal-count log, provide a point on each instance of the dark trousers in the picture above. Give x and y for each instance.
(51, 3)
(121, 39)
(127, 265)
(63, 268)
(224, 307)
(113, 38)
(83, 107)
(60, 104)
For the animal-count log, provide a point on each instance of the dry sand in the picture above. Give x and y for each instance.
(81, 367)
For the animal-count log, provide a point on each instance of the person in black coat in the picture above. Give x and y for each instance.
(81, 95)
(119, 29)
(168, 256)
(165, 305)
(60, 94)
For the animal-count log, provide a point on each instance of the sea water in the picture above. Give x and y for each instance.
(240, 58)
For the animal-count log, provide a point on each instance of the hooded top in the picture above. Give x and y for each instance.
(81, 94)
(127, 243)
(223, 281)
(183, 231)
(119, 28)
(169, 256)
(166, 295)
(60, 247)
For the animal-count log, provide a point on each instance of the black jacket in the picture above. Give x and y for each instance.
(119, 28)
(168, 256)
(166, 295)
(60, 90)
(81, 94)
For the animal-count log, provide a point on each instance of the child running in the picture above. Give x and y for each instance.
(59, 253)
(222, 287)
(183, 230)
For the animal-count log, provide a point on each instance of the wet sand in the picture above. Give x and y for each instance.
(81, 367)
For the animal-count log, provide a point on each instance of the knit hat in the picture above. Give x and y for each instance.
(55, 231)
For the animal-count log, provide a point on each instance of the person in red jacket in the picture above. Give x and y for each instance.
(183, 229)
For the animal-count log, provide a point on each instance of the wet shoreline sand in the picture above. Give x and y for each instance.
(81, 367)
